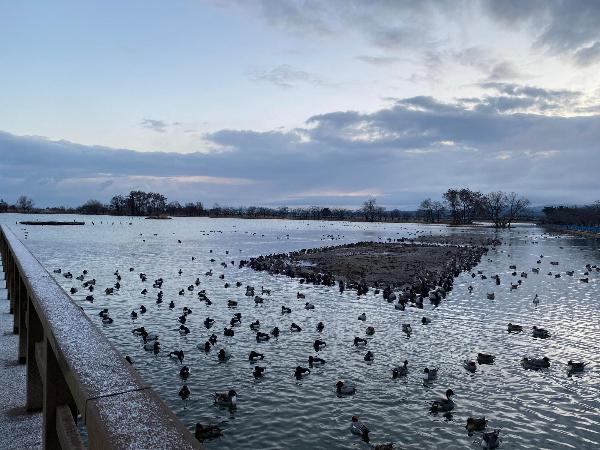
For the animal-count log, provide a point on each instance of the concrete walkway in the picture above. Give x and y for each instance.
(18, 429)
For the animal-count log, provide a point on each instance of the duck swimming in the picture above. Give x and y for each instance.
(262, 337)
(400, 371)
(320, 326)
(225, 398)
(491, 439)
(536, 363)
(184, 372)
(540, 333)
(429, 374)
(286, 310)
(514, 328)
(275, 332)
(177, 354)
(254, 356)
(258, 371)
(300, 372)
(407, 328)
(476, 424)
(471, 366)
(295, 328)
(576, 367)
(425, 321)
(205, 432)
(228, 332)
(255, 325)
(362, 317)
(318, 344)
(359, 428)
(308, 305)
(315, 361)
(369, 356)
(485, 358)
(344, 389)
(370, 331)
(223, 356)
(444, 404)
(184, 392)
(359, 342)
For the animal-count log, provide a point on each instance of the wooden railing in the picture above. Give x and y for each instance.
(72, 368)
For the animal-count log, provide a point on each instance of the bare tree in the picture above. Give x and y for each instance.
(504, 208)
(24, 204)
(370, 209)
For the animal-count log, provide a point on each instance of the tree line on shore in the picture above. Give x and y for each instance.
(456, 206)
(463, 206)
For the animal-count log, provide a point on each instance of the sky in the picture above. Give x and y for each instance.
(314, 102)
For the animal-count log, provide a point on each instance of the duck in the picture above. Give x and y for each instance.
(536, 363)
(213, 339)
(308, 305)
(286, 310)
(318, 344)
(369, 356)
(171, 304)
(320, 326)
(362, 317)
(184, 372)
(295, 328)
(476, 424)
(205, 432)
(228, 332)
(300, 372)
(359, 342)
(491, 439)
(142, 309)
(471, 366)
(223, 355)
(400, 371)
(485, 358)
(206, 346)
(275, 332)
(258, 371)
(235, 321)
(231, 303)
(184, 392)
(370, 331)
(152, 346)
(407, 328)
(430, 374)
(254, 326)
(491, 296)
(536, 300)
(425, 321)
(444, 404)
(512, 328)
(315, 361)
(225, 398)
(576, 367)
(359, 428)
(208, 322)
(540, 333)
(344, 388)
(300, 295)
(262, 337)
(254, 356)
(183, 330)
(177, 354)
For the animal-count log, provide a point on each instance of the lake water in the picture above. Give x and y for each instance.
(536, 410)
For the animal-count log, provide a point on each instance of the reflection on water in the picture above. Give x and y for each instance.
(545, 409)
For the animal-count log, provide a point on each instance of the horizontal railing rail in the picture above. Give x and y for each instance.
(72, 369)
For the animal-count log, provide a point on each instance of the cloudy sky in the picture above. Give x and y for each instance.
(315, 102)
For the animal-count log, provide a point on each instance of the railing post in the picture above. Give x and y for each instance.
(17, 299)
(56, 393)
(23, 301)
(35, 334)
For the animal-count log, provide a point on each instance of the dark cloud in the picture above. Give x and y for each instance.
(415, 148)
(567, 27)
(159, 126)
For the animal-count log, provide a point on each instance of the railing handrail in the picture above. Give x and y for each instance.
(119, 409)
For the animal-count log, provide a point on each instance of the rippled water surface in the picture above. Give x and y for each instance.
(535, 410)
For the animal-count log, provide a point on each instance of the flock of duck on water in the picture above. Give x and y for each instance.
(150, 341)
